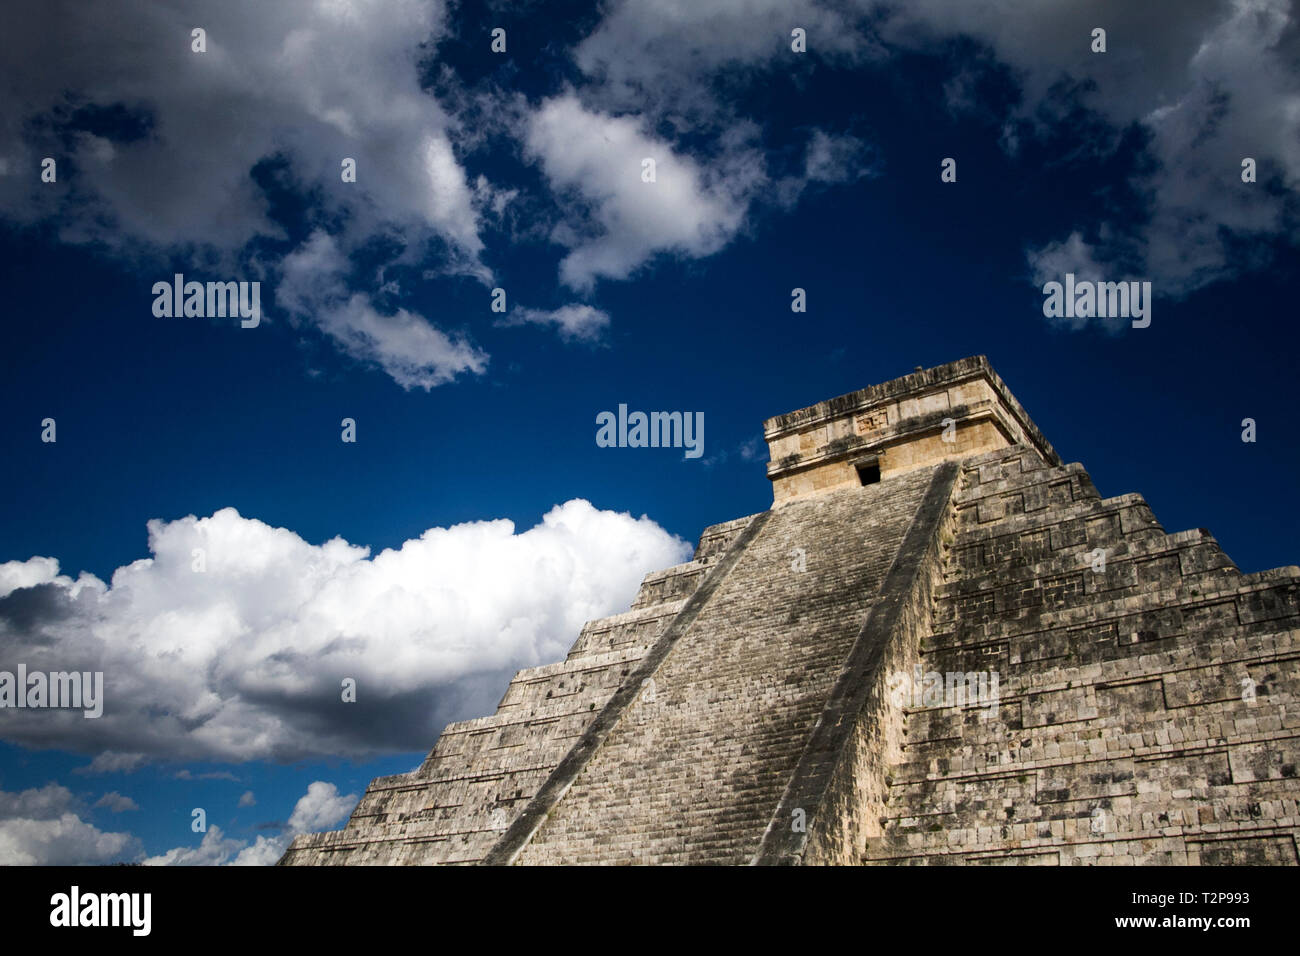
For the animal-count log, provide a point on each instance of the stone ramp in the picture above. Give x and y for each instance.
(1123, 733)
(482, 772)
(694, 766)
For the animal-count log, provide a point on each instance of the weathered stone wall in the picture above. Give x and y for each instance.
(1148, 711)
(940, 414)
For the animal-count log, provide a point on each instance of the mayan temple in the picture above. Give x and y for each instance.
(1122, 695)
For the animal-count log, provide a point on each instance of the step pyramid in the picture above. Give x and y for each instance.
(940, 645)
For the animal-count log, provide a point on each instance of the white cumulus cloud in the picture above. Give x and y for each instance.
(597, 158)
(246, 660)
(158, 145)
(43, 827)
(214, 849)
(308, 81)
(320, 808)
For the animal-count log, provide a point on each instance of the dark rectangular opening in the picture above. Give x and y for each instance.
(868, 472)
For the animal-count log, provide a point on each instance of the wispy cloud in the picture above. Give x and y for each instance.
(574, 323)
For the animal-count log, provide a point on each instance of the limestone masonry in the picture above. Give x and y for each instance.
(746, 709)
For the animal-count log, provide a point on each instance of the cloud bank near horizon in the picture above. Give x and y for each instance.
(233, 641)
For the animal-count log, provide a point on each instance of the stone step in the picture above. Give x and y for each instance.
(739, 691)
(636, 628)
(671, 584)
(1120, 690)
(1037, 488)
(1197, 550)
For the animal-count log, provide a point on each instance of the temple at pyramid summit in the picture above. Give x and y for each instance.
(941, 645)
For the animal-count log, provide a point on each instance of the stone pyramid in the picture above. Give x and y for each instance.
(940, 645)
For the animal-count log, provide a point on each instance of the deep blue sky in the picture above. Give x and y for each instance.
(163, 418)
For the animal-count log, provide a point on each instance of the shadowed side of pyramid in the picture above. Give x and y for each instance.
(1147, 706)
